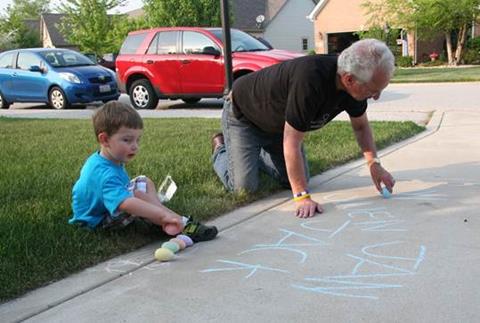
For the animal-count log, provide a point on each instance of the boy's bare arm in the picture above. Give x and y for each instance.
(157, 214)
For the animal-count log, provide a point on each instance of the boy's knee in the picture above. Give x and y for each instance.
(150, 183)
(140, 194)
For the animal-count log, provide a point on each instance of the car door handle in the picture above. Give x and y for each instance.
(185, 61)
(14, 74)
(149, 61)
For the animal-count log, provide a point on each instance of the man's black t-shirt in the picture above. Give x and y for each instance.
(301, 91)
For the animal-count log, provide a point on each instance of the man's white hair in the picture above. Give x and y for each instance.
(364, 57)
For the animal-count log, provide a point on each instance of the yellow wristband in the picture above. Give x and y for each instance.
(302, 197)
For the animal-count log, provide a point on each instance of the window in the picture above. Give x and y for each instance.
(167, 43)
(51, 58)
(242, 42)
(164, 43)
(26, 60)
(152, 49)
(194, 43)
(131, 44)
(65, 58)
(110, 57)
(304, 43)
(6, 60)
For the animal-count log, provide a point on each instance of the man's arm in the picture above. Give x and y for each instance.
(292, 142)
(364, 136)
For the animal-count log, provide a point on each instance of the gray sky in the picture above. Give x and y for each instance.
(130, 5)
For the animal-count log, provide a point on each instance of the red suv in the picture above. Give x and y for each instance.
(186, 63)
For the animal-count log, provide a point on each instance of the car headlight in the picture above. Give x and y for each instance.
(70, 77)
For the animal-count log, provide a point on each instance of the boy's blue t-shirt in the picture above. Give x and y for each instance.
(101, 188)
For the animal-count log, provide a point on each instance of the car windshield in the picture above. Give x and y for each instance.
(58, 58)
(241, 42)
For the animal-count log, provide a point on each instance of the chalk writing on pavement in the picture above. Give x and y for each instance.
(366, 270)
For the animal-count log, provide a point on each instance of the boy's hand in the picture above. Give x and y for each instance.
(172, 225)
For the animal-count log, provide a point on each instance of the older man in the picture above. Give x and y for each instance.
(265, 119)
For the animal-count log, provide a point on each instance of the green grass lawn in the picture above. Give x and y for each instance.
(438, 74)
(41, 159)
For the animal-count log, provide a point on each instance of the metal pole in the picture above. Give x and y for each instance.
(227, 46)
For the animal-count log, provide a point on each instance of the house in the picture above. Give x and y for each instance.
(136, 13)
(281, 22)
(50, 35)
(32, 25)
(332, 34)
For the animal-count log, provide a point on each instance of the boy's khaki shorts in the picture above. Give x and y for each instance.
(121, 219)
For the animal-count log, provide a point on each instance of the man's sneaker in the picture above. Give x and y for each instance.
(199, 232)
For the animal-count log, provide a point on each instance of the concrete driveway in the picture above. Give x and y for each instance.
(413, 102)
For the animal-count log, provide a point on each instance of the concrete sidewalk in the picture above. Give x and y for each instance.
(411, 258)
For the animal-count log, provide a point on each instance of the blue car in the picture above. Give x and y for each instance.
(58, 77)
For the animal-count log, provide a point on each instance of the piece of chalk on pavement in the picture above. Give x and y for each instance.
(185, 238)
(172, 246)
(163, 254)
(385, 193)
(180, 242)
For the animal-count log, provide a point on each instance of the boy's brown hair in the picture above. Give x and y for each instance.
(114, 115)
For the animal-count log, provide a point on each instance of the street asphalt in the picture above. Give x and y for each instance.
(413, 257)
(398, 102)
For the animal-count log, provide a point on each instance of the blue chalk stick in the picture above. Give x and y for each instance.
(385, 193)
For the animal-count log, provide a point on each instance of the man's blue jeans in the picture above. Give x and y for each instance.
(248, 150)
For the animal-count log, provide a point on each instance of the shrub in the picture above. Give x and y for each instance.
(474, 43)
(404, 61)
(471, 56)
(432, 63)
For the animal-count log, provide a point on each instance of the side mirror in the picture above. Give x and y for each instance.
(35, 68)
(210, 50)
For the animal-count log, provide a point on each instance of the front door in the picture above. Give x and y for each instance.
(161, 63)
(28, 85)
(7, 73)
(200, 73)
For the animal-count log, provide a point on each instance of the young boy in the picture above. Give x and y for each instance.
(105, 197)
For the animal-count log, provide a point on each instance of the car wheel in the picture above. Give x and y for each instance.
(3, 103)
(191, 100)
(57, 99)
(142, 95)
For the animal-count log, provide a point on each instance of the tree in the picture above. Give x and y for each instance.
(13, 24)
(429, 18)
(169, 13)
(88, 25)
(6, 41)
(122, 25)
(385, 34)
